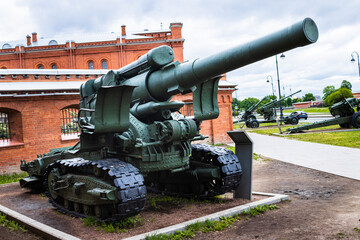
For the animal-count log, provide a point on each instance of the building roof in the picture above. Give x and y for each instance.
(68, 85)
(225, 83)
(79, 38)
(40, 86)
(53, 71)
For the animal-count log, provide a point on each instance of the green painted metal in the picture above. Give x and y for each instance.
(249, 112)
(127, 124)
(267, 110)
(205, 100)
(343, 113)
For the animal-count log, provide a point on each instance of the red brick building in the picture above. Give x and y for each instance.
(92, 52)
(39, 88)
(356, 94)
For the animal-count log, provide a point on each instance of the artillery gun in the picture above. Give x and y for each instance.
(268, 111)
(343, 113)
(248, 115)
(129, 141)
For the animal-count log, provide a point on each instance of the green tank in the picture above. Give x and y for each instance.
(130, 143)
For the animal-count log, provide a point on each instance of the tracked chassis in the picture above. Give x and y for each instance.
(106, 189)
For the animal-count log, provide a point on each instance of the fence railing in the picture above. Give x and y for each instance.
(69, 124)
(4, 128)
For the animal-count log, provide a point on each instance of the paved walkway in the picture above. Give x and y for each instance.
(341, 161)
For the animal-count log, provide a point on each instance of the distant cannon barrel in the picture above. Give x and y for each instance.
(253, 107)
(177, 78)
(274, 102)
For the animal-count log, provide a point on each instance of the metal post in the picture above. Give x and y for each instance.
(272, 84)
(353, 60)
(278, 78)
(244, 152)
(272, 87)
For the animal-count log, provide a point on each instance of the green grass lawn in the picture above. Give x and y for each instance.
(324, 110)
(344, 139)
(9, 178)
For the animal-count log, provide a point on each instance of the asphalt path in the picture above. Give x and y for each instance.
(342, 161)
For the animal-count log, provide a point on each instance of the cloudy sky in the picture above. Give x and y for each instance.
(211, 26)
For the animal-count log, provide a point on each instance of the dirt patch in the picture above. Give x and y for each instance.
(160, 211)
(322, 206)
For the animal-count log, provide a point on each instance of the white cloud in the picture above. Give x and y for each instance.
(211, 26)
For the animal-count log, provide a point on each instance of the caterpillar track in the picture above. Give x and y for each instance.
(64, 177)
(185, 184)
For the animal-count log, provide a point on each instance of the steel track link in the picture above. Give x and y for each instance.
(126, 178)
(228, 164)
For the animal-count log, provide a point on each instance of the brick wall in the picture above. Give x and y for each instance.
(36, 123)
(76, 55)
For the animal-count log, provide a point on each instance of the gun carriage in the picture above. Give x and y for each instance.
(130, 143)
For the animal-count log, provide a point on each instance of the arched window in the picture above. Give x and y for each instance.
(4, 128)
(53, 42)
(10, 127)
(53, 66)
(104, 64)
(91, 65)
(40, 66)
(3, 68)
(6, 46)
(69, 126)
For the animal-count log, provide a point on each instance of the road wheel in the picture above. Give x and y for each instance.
(254, 124)
(250, 118)
(355, 120)
(294, 121)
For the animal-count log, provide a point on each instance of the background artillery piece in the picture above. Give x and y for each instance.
(269, 112)
(343, 113)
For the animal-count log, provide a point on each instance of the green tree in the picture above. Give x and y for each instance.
(248, 102)
(346, 84)
(296, 100)
(327, 91)
(338, 96)
(308, 97)
(288, 102)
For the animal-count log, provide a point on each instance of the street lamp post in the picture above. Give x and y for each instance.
(353, 60)
(272, 84)
(278, 78)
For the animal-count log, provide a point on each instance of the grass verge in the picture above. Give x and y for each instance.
(343, 139)
(324, 110)
(10, 178)
(11, 225)
(114, 227)
(211, 225)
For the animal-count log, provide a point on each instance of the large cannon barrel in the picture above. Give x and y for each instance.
(161, 85)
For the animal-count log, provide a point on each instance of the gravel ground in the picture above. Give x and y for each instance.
(322, 206)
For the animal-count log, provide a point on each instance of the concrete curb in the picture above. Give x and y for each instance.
(52, 233)
(36, 227)
(273, 198)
